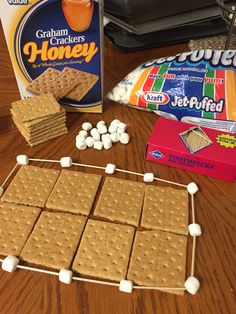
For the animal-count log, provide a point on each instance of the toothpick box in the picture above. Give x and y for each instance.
(193, 148)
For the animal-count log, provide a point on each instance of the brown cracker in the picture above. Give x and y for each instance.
(35, 107)
(31, 186)
(74, 192)
(104, 250)
(121, 200)
(16, 223)
(45, 139)
(87, 81)
(166, 209)
(158, 259)
(54, 240)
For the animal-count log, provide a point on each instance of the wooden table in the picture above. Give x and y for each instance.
(28, 292)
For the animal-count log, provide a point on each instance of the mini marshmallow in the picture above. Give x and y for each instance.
(126, 286)
(119, 131)
(148, 177)
(87, 126)
(22, 160)
(81, 145)
(192, 285)
(89, 141)
(98, 145)
(95, 134)
(107, 143)
(106, 137)
(10, 263)
(192, 188)
(102, 129)
(110, 168)
(100, 123)
(115, 122)
(112, 129)
(79, 138)
(115, 137)
(122, 126)
(65, 276)
(195, 230)
(124, 138)
(83, 134)
(1, 191)
(66, 162)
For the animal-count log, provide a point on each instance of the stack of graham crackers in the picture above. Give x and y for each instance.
(39, 118)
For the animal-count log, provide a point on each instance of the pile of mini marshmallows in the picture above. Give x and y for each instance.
(102, 136)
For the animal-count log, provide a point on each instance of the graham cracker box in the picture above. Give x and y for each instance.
(56, 47)
(193, 148)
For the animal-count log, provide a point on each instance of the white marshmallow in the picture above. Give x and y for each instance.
(10, 263)
(122, 126)
(192, 285)
(110, 168)
(89, 141)
(79, 138)
(126, 286)
(106, 137)
(148, 177)
(124, 138)
(95, 134)
(1, 191)
(22, 160)
(119, 131)
(192, 188)
(107, 143)
(195, 230)
(65, 276)
(102, 129)
(115, 122)
(80, 144)
(112, 129)
(83, 134)
(100, 123)
(115, 137)
(87, 126)
(66, 162)
(98, 145)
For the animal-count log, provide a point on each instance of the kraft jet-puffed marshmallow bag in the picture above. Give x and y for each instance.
(196, 87)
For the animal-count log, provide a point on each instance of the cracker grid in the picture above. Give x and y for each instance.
(166, 209)
(121, 200)
(54, 240)
(16, 223)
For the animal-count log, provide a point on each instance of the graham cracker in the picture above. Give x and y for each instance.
(45, 139)
(50, 81)
(158, 259)
(74, 192)
(31, 186)
(166, 209)
(121, 200)
(54, 240)
(35, 107)
(16, 223)
(104, 250)
(87, 81)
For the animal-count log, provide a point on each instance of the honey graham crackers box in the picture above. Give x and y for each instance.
(56, 47)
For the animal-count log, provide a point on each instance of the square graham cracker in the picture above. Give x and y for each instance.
(87, 81)
(158, 259)
(31, 186)
(166, 209)
(121, 200)
(74, 192)
(55, 82)
(16, 223)
(54, 240)
(35, 107)
(104, 250)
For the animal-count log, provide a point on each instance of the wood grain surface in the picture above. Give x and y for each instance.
(28, 292)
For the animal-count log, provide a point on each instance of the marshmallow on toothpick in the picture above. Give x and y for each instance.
(66, 162)
(65, 276)
(22, 160)
(195, 230)
(10, 263)
(148, 177)
(110, 168)
(126, 286)
(192, 188)
(192, 285)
